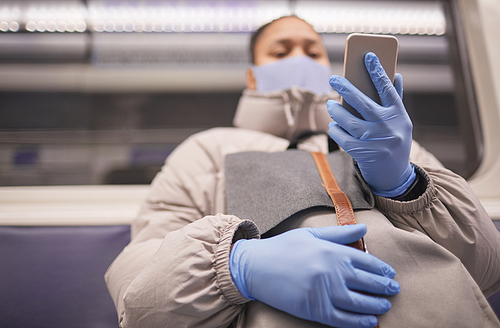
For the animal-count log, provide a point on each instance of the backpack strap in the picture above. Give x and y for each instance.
(343, 208)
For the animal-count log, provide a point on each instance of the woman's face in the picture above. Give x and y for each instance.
(284, 38)
(288, 37)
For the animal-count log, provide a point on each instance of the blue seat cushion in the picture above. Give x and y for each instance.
(54, 276)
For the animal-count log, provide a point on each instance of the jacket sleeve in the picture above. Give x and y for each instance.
(187, 282)
(451, 215)
(175, 271)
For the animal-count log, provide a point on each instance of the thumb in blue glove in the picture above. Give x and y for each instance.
(381, 142)
(311, 274)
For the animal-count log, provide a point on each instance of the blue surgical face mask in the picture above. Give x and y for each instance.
(300, 71)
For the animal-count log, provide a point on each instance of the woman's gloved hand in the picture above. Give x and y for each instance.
(381, 143)
(311, 274)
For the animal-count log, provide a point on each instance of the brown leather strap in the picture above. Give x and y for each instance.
(343, 207)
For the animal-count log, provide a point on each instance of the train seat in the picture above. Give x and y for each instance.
(53, 276)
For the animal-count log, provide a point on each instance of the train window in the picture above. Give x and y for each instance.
(100, 92)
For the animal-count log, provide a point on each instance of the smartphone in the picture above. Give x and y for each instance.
(357, 46)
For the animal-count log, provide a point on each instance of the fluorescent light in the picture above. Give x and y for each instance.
(391, 17)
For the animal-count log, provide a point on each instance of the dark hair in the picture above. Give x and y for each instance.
(258, 32)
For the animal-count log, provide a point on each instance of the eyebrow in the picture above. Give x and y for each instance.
(287, 41)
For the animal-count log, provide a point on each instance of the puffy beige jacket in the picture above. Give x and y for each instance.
(175, 271)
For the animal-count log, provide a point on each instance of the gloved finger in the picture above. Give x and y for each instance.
(350, 123)
(356, 127)
(340, 234)
(386, 91)
(341, 318)
(342, 138)
(372, 283)
(361, 303)
(357, 148)
(370, 263)
(357, 99)
(398, 84)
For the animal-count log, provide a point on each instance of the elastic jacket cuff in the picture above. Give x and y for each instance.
(247, 230)
(387, 205)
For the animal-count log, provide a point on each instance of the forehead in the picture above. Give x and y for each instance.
(288, 28)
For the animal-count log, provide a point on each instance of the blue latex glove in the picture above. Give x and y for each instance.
(381, 143)
(311, 274)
